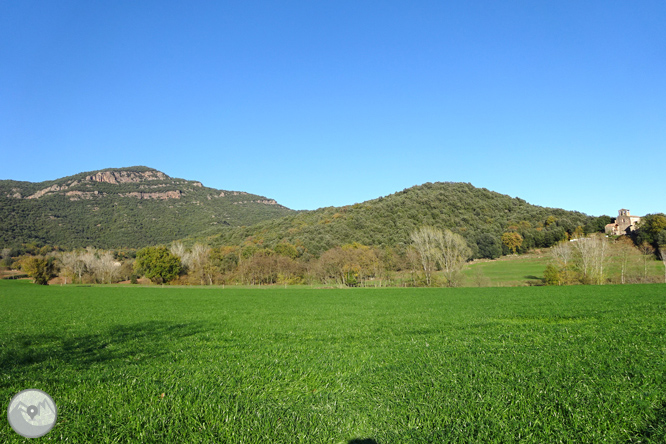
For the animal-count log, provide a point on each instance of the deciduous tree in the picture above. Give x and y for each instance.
(623, 251)
(562, 254)
(454, 253)
(512, 240)
(41, 269)
(444, 248)
(199, 264)
(72, 265)
(427, 241)
(647, 255)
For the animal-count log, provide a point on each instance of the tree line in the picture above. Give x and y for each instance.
(434, 257)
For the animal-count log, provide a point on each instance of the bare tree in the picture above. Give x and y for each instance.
(89, 259)
(6, 256)
(107, 267)
(197, 262)
(454, 253)
(71, 264)
(443, 248)
(601, 256)
(623, 251)
(584, 248)
(647, 253)
(178, 249)
(563, 254)
(592, 255)
(427, 242)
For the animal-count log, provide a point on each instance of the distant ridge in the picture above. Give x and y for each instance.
(122, 207)
(138, 206)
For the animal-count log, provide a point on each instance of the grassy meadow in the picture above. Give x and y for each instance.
(525, 269)
(507, 271)
(297, 365)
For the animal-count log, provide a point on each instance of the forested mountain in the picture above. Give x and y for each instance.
(138, 206)
(479, 215)
(122, 207)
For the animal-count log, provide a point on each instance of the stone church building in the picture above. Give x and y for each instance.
(624, 223)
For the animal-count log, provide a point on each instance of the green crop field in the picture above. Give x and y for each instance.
(509, 270)
(577, 364)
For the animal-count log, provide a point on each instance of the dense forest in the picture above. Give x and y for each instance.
(121, 207)
(138, 206)
(480, 216)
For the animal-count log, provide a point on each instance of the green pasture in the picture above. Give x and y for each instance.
(492, 365)
(510, 270)
(523, 269)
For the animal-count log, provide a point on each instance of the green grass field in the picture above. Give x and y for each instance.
(174, 364)
(523, 269)
(509, 270)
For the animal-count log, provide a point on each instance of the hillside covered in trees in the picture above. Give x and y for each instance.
(122, 207)
(481, 216)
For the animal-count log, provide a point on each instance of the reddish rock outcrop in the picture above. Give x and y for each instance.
(118, 177)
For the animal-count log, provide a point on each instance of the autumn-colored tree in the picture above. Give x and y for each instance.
(362, 261)
(331, 266)
(578, 233)
(224, 262)
(286, 249)
(41, 269)
(512, 240)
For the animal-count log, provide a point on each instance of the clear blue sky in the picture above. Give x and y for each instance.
(318, 103)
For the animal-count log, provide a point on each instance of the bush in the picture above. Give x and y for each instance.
(551, 275)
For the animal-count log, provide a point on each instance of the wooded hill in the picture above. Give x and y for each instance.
(122, 207)
(479, 215)
(138, 206)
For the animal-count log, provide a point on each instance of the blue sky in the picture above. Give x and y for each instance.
(335, 102)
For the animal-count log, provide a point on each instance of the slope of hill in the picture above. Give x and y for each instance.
(479, 215)
(122, 207)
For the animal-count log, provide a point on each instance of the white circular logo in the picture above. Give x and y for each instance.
(32, 413)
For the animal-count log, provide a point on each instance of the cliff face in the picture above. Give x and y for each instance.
(131, 207)
(116, 177)
(110, 177)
